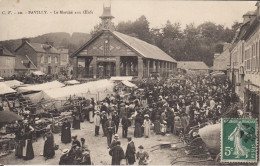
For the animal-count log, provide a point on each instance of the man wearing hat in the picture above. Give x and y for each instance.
(103, 123)
(110, 128)
(117, 154)
(116, 119)
(130, 152)
(97, 123)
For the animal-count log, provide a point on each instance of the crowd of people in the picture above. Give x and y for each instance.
(172, 105)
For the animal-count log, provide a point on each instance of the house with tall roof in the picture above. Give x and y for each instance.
(193, 67)
(44, 56)
(111, 53)
(7, 62)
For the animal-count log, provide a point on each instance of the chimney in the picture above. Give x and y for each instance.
(225, 46)
(249, 16)
(258, 9)
(25, 39)
(51, 43)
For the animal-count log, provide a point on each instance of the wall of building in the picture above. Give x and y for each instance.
(47, 60)
(27, 50)
(7, 64)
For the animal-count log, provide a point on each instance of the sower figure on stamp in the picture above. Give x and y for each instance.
(235, 136)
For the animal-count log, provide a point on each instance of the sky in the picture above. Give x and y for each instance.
(15, 26)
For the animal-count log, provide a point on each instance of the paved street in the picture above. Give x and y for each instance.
(98, 147)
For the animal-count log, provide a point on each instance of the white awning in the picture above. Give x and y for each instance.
(4, 89)
(38, 73)
(40, 87)
(127, 78)
(13, 83)
(1, 78)
(72, 82)
(129, 84)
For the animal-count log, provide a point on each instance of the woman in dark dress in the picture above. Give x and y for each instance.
(138, 125)
(28, 153)
(19, 141)
(65, 132)
(75, 141)
(76, 120)
(48, 151)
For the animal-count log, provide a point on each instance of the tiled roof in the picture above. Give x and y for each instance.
(7, 52)
(192, 65)
(141, 47)
(45, 48)
(145, 49)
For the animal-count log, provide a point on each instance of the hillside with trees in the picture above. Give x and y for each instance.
(194, 43)
(60, 39)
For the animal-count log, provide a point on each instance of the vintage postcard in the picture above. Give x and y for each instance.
(129, 82)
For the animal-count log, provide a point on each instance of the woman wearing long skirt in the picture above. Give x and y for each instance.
(91, 119)
(65, 132)
(147, 126)
(157, 124)
(48, 151)
(28, 153)
(138, 126)
(76, 121)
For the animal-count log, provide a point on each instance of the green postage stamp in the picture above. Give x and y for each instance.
(239, 140)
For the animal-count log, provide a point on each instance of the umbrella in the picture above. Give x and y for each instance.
(8, 116)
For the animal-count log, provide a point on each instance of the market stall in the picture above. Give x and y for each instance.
(72, 82)
(7, 142)
(40, 87)
(13, 83)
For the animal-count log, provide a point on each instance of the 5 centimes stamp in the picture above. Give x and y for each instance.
(239, 140)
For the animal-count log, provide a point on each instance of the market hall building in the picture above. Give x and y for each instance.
(110, 53)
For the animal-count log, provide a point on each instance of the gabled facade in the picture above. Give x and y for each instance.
(44, 56)
(110, 53)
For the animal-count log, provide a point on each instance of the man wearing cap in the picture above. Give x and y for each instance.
(110, 128)
(97, 123)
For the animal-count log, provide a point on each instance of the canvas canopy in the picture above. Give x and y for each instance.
(38, 73)
(13, 83)
(96, 89)
(4, 89)
(121, 78)
(72, 82)
(40, 87)
(129, 84)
